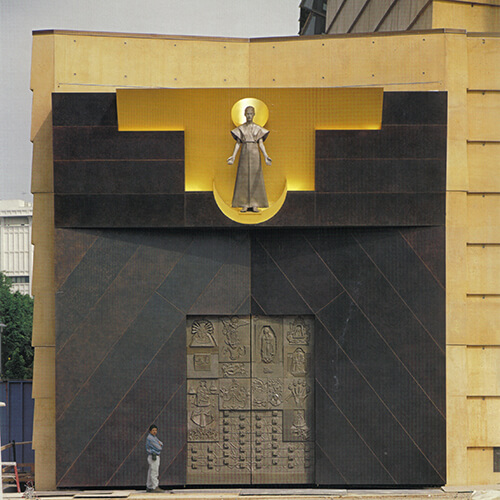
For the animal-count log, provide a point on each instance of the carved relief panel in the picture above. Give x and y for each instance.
(250, 400)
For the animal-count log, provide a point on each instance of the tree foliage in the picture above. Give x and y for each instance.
(16, 312)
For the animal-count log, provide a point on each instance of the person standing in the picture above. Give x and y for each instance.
(153, 449)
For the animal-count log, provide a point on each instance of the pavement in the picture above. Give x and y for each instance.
(479, 492)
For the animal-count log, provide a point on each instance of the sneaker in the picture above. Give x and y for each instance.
(149, 490)
(158, 490)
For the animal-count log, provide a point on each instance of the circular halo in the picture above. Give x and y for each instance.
(238, 111)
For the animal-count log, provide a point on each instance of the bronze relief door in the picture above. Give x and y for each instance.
(250, 399)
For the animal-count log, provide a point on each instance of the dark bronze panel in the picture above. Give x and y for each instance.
(422, 108)
(84, 109)
(70, 247)
(297, 211)
(358, 432)
(172, 430)
(119, 177)
(229, 290)
(406, 156)
(256, 308)
(199, 266)
(395, 176)
(377, 294)
(202, 211)
(428, 243)
(377, 297)
(415, 285)
(294, 255)
(80, 292)
(379, 373)
(106, 143)
(116, 308)
(496, 459)
(135, 374)
(391, 141)
(103, 391)
(370, 209)
(355, 175)
(413, 422)
(245, 306)
(119, 211)
(272, 292)
(327, 472)
(344, 451)
(148, 397)
(337, 435)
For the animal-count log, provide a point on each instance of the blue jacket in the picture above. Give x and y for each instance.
(153, 445)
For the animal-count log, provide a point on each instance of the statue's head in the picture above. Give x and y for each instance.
(249, 113)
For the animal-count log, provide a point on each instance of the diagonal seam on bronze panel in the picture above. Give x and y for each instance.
(60, 348)
(173, 460)
(259, 304)
(330, 460)
(92, 308)
(247, 297)
(398, 294)
(111, 348)
(331, 301)
(141, 439)
(381, 336)
(214, 277)
(284, 274)
(121, 399)
(105, 356)
(298, 293)
(383, 402)
(422, 260)
(78, 263)
(356, 431)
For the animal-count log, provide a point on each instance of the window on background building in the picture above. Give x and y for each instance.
(312, 17)
(16, 221)
(20, 279)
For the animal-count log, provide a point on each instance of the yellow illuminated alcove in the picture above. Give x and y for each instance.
(205, 117)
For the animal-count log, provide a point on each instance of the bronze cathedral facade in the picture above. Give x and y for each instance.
(308, 349)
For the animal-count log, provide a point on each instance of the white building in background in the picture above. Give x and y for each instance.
(16, 250)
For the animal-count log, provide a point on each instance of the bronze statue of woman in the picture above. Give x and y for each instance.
(249, 190)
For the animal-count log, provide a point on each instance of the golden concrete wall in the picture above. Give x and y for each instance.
(441, 60)
(482, 337)
(43, 340)
(482, 16)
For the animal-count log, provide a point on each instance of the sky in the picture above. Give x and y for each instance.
(18, 18)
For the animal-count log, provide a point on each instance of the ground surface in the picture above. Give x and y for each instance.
(446, 493)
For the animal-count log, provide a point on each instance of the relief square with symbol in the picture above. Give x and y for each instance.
(202, 365)
(234, 339)
(202, 409)
(267, 347)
